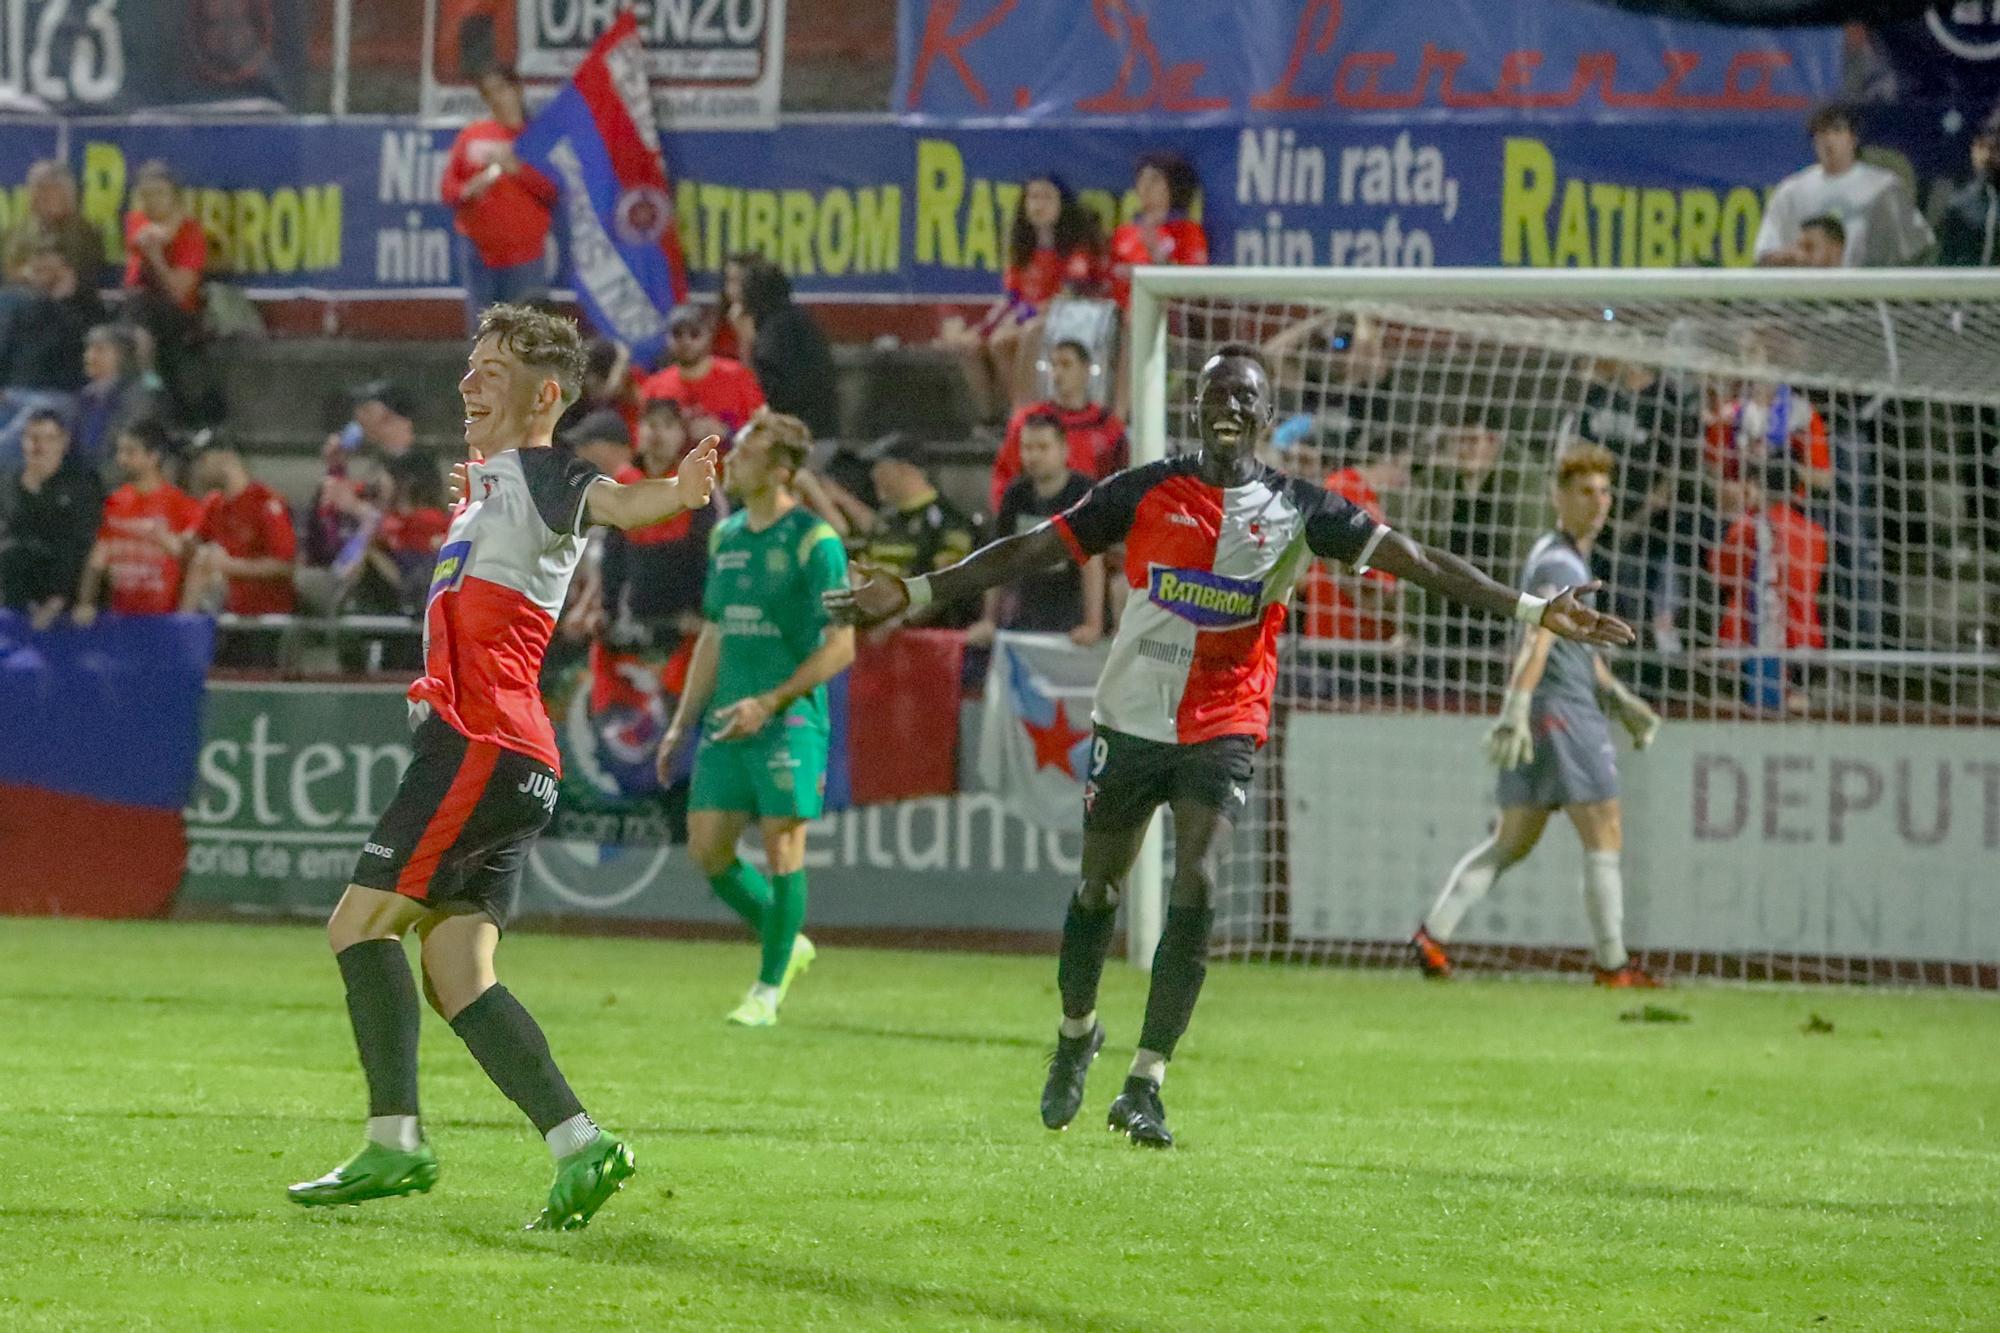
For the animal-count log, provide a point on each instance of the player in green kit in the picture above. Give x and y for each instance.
(757, 685)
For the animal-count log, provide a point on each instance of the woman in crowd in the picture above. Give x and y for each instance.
(734, 330)
(166, 258)
(115, 393)
(1055, 248)
(1162, 231)
(789, 353)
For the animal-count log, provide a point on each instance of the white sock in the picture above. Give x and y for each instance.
(1149, 1065)
(1467, 884)
(395, 1131)
(1604, 900)
(1079, 1027)
(571, 1136)
(759, 991)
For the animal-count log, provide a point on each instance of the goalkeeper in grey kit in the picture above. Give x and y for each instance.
(1553, 747)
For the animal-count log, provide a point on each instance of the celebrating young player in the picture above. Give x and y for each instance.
(1553, 745)
(759, 678)
(446, 857)
(1213, 543)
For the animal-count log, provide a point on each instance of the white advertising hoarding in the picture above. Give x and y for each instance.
(1847, 841)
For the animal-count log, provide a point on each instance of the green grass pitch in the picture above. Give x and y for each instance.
(1358, 1150)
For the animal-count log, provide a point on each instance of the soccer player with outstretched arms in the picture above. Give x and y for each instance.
(1552, 744)
(1214, 541)
(758, 680)
(446, 857)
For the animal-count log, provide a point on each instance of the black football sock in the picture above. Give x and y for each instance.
(510, 1047)
(1085, 939)
(382, 1005)
(1179, 967)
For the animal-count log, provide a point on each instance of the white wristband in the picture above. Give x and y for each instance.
(1529, 609)
(918, 590)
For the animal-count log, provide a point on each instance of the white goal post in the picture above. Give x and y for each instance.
(1805, 528)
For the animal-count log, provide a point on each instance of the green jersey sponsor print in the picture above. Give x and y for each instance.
(764, 595)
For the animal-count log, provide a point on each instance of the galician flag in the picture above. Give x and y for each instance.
(599, 143)
(1034, 741)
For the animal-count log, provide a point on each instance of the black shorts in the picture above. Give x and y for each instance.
(1130, 777)
(456, 834)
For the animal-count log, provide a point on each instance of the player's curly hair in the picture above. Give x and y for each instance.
(548, 344)
(791, 439)
(1584, 460)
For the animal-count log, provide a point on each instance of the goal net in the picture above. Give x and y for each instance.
(1805, 530)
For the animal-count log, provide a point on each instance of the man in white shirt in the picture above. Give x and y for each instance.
(1883, 226)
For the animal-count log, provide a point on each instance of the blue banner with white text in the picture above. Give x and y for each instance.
(878, 209)
(1168, 62)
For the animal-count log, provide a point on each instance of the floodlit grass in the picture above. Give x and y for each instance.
(1357, 1150)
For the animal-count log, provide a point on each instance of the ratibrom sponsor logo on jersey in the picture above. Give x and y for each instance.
(1206, 600)
(450, 568)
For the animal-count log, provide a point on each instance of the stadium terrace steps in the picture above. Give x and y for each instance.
(286, 394)
(289, 392)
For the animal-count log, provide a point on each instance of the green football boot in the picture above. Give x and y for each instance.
(584, 1180)
(376, 1172)
(803, 954)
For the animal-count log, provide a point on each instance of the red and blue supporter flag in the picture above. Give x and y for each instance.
(100, 730)
(599, 143)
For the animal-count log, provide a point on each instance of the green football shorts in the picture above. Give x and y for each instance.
(779, 773)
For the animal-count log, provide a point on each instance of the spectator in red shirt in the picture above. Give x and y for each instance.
(1768, 569)
(653, 576)
(1097, 445)
(500, 206)
(611, 383)
(396, 572)
(1055, 248)
(602, 441)
(1161, 232)
(1340, 605)
(1771, 427)
(147, 523)
(359, 457)
(1067, 599)
(166, 261)
(1768, 428)
(717, 395)
(242, 553)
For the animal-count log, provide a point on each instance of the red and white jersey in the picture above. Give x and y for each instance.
(1210, 569)
(496, 591)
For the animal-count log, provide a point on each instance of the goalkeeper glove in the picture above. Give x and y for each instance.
(1511, 743)
(1639, 720)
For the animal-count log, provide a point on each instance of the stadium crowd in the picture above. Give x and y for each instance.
(120, 490)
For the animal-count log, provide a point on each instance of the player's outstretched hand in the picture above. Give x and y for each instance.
(1571, 619)
(877, 597)
(695, 477)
